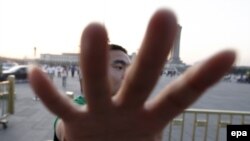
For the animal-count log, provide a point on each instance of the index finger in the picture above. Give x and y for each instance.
(145, 71)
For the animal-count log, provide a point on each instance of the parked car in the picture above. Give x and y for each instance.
(8, 65)
(20, 72)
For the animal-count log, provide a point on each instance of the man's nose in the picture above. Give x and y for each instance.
(124, 73)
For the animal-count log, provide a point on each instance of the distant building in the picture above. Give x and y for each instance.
(132, 56)
(65, 58)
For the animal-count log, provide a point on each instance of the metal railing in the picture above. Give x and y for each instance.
(6, 100)
(204, 124)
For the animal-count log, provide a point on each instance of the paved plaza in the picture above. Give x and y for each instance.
(32, 122)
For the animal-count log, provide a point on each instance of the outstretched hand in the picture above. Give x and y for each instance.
(127, 116)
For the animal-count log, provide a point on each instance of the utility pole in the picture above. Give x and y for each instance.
(34, 52)
(34, 62)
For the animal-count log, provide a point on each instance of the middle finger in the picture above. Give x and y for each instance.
(93, 61)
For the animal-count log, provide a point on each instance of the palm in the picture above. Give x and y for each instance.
(120, 124)
(127, 115)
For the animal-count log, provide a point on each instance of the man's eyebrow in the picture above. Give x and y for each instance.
(121, 62)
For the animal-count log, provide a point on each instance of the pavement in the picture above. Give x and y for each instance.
(32, 122)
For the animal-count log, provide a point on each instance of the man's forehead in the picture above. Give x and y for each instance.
(119, 55)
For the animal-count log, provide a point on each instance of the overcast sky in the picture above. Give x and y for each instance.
(55, 26)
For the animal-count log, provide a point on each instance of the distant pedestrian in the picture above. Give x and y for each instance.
(80, 80)
(58, 68)
(51, 72)
(64, 75)
(73, 68)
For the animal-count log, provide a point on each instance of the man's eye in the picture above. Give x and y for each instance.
(118, 67)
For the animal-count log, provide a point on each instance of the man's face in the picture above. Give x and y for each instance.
(118, 63)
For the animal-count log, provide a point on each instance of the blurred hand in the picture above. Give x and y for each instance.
(127, 116)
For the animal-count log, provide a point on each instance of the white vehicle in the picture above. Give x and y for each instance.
(7, 65)
(20, 72)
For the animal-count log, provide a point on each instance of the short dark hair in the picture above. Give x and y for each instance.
(117, 47)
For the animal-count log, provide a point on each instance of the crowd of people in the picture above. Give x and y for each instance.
(61, 71)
